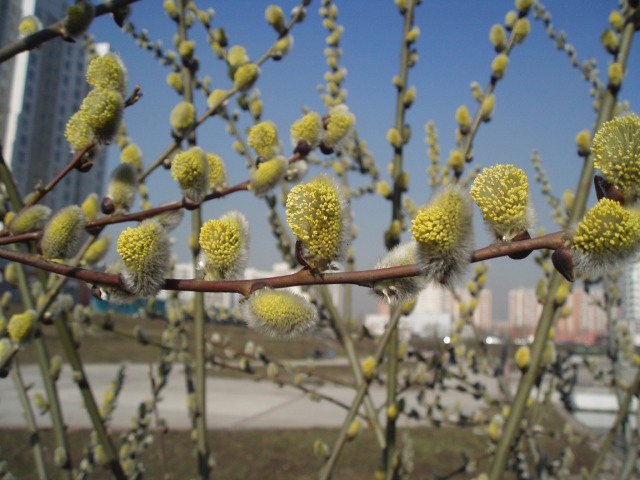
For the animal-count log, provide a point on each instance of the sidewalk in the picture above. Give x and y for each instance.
(231, 403)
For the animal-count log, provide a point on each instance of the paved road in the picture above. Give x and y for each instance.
(231, 403)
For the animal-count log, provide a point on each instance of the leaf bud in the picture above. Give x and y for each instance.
(275, 17)
(183, 116)
(79, 17)
(521, 29)
(463, 118)
(609, 41)
(245, 76)
(122, 187)
(583, 142)
(498, 37)
(368, 366)
(29, 25)
(616, 74)
(266, 175)
(21, 326)
(499, 65)
(174, 80)
(487, 107)
(30, 219)
(616, 20)
(91, 207)
(97, 250)
(215, 101)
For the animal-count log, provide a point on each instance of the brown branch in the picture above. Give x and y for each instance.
(54, 30)
(21, 237)
(97, 225)
(41, 191)
(363, 278)
(168, 207)
(75, 162)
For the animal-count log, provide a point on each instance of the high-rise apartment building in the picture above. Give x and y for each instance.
(524, 311)
(436, 311)
(631, 301)
(584, 320)
(40, 90)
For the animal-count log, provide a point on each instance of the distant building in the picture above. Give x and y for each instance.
(585, 320)
(282, 268)
(436, 310)
(185, 270)
(375, 324)
(524, 311)
(631, 300)
(39, 91)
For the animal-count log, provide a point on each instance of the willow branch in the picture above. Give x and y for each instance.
(54, 30)
(363, 278)
(550, 309)
(467, 141)
(32, 426)
(175, 145)
(621, 416)
(327, 470)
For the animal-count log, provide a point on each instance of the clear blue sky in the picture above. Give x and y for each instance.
(541, 104)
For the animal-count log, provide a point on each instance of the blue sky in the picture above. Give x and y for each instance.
(540, 105)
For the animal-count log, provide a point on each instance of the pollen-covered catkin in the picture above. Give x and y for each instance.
(145, 253)
(616, 146)
(399, 289)
(607, 235)
(191, 170)
(62, 234)
(444, 234)
(502, 193)
(278, 312)
(317, 214)
(224, 243)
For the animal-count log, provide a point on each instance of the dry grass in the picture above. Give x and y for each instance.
(279, 455)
